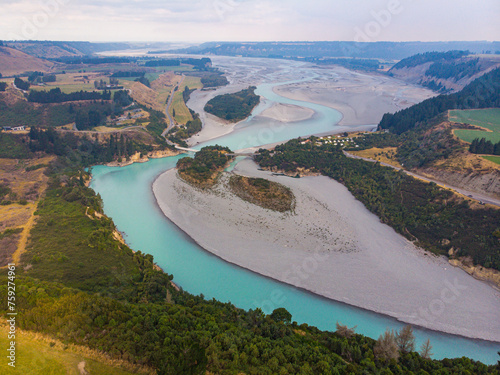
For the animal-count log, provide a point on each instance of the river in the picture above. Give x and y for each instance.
(129, 201)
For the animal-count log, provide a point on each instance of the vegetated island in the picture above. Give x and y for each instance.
(202, 170)
(262, 192)
(233, 107)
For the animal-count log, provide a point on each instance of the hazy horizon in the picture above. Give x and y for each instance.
(250, 20)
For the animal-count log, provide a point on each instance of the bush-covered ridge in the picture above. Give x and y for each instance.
(79, 284)
(484, 92)
(434, 217)
(422, 58)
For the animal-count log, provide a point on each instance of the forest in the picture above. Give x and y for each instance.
(482, 146)
(202, 170)
(57, 96)
(483, 92)
(20, 84)
(214, 80)
(422, 212)
(422, 58)
(85, 287)
(233, 107)
(457, 70)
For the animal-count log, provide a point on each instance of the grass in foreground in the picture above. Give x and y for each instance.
(36, 354)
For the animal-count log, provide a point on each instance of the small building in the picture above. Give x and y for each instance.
(18, 128)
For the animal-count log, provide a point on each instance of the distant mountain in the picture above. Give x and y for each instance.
(379, 50)
(14, 62)
(444, 71)
(49, 50)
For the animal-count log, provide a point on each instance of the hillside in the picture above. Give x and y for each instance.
(444, 71)
(361, 49)
(14, 62)
(52, 50)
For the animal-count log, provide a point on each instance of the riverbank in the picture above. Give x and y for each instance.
(362, 98)
(332, 246)
(139, 158)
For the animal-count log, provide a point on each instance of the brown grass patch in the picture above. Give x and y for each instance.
(13, 62)
(8, 246)
(263, 193)
(385, 155)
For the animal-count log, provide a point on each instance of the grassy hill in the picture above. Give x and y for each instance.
(487, 119)
(444, 71)
(14, 62)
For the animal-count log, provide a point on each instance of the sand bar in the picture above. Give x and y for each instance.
(333, 246)
(362, 98)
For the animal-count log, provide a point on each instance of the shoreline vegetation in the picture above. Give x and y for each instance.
(233, 107)
(262, 192)
(86, 287)
(202, 170)
(351, 242)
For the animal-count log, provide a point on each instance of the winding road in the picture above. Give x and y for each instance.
(470, 194)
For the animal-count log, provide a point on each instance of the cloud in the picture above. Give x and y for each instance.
(200, 20)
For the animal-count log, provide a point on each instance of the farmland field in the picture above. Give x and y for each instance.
(494, 159)
(182, 114)
(72, 82)
(484, 118)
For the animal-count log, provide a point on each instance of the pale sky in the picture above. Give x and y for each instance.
(250, 20)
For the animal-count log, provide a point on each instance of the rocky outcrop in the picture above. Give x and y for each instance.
(487, 183)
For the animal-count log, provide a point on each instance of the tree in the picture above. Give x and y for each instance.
(386, 347)
(405, 339)
(344, 331)
(281, 315)
(425, 349)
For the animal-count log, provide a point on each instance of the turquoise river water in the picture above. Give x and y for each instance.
(129, 201)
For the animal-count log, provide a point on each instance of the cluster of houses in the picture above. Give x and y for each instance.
(334, 140)
(14, 128)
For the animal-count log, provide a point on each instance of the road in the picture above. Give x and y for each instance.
(471, 194)
(171, 121)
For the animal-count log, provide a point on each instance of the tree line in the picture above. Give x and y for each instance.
(85, 287)
(57, 96)
(483, 92)
(482, 146)
(415, 209)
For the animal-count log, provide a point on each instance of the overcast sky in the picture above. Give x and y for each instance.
(250, 20)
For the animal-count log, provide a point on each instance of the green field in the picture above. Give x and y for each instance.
(182, 114)
(494, 159)
(37, 356)
(470, 135)
(485, 118)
